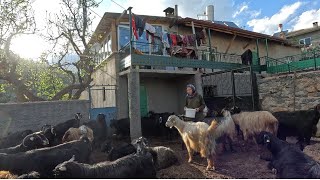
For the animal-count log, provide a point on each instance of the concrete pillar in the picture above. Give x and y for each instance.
(134, 103)
(198, 83)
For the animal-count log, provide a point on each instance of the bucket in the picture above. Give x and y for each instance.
(190, 113)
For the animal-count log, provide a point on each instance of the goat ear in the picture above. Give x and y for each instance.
(72, 159)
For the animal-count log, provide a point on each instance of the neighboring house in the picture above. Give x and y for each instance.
(150, 78)
(305, 37)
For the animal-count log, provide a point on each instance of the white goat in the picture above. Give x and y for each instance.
(251, 123)
(194, 136)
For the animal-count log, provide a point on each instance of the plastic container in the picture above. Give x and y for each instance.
(190, 113)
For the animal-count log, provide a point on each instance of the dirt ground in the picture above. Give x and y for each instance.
(244, 163)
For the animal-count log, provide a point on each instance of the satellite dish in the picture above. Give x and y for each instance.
(95, 48)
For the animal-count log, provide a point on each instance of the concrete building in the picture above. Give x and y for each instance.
(147, 80)
(306, 37)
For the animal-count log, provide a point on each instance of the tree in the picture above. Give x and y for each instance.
(69, 30)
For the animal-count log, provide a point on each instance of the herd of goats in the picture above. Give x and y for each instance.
(63, 150)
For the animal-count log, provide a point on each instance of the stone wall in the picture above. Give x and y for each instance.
(33, 115)
(277, 93)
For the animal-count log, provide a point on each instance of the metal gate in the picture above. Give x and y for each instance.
(236, 87)
(103, 100)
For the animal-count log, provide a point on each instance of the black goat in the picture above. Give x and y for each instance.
(55, 133)
(161, 118)
(115, 153)
(299, 123)
(138, 165)
(99, 128)
(122, 126)
(32, 141)
(45, 159)
(13, 139)
(288, 160)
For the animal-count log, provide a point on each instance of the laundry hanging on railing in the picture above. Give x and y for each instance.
(138, 24)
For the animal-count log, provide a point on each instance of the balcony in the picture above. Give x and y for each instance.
(149, 56)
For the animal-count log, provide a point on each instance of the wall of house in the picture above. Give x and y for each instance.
(315, 38)
(240, 44)
(122, 98)
(166, 94)
(33, 115)
(106, 74)
(277, 92)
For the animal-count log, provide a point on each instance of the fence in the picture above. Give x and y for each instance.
(235, 87)
(33, 115)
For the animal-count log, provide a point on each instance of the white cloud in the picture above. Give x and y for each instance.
(306, 19)
(242, 8)
(254, 13)
(269, 25)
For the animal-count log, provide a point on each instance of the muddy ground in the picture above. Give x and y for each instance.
(244, 163)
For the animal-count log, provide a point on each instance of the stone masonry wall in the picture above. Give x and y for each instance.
(277, 92)
(21, 116)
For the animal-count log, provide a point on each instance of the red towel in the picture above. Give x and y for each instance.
(173, 39)
(134, 28)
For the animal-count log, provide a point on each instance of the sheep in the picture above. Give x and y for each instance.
(13, 139)
(288, 161)
(45, 159)
(226, 130)
(194, 135)
(76, 133)
(138, 165)
(31, 141)
(301, 123)
(163, 157)
(254, 122)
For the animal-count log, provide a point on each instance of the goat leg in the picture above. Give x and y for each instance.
(210, 161)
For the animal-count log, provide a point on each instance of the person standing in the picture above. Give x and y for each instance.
(195, 101)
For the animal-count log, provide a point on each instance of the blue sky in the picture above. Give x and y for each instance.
(256, 15)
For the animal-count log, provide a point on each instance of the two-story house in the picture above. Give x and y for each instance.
(150, 59)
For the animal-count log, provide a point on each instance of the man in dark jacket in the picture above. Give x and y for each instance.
(195, 101)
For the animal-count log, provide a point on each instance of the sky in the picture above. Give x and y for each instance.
(261, 16)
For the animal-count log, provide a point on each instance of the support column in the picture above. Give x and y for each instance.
(198, 83)
(134, 103)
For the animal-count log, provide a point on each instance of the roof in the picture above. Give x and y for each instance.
(220, 26)
(226, 23)
(302, 31)
(230, 30)
(278, 33)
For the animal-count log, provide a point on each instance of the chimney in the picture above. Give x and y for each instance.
(315, 24)
(169, 12)
(280, 27)
(210, 12)
(176, 10)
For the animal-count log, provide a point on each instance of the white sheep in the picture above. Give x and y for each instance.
(251, 123)
(75, 134)
(194, 137)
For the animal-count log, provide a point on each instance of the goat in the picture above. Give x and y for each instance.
(288, 161)
(57, 132)
(99, 128)
(122, 126)
(138, 165)
(226, 130)
(13, 139)
(31, 175)
(194, 135)
(7, 175)
(31, 141)
(76, 133)
(161, 119)
(254, 122)
(45, 159)
(163, 157)
(299, 123)
(115, 153)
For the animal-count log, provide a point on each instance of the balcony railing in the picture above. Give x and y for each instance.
(151, 54)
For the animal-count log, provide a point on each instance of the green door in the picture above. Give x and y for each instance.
(143, 101)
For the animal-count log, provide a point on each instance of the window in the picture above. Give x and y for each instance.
(107, 46)
(305, 41)
(124, 36)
